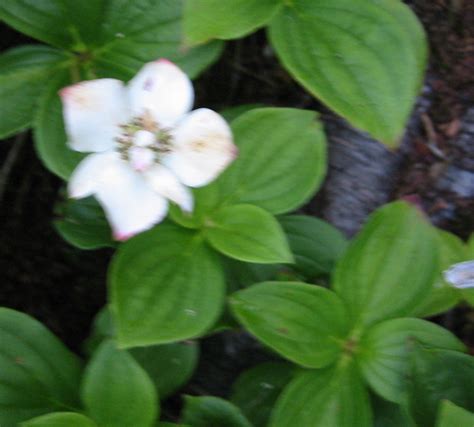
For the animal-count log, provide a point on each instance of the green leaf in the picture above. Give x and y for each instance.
(60, 419)
(257, 389)
(332, 397)
(242, 274)
(443, 296)
(24, 72)
(282, 159)
(165, 285)
(214, 19)
(388, 414)
(437, 375)
(37, 373)
(451, 415)
(385, 348)
(144, 30)
(116, 391)
(306, 324)
(64, 24)
(82, 224)
(231, 113)
(49, 135)
(315, 244)
(365, 59)
(169, 366)
(377, 276)
(248, 233)
(209, 411)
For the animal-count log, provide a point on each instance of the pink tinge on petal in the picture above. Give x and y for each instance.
(122, 237)
(165, 61)
(141, 158)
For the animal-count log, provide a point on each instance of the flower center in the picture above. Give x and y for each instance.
(143, 143)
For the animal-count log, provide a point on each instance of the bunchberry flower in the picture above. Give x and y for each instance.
(147, 146)
(460, 275)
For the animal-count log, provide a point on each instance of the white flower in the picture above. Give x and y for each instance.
(460, 275)
(148, 148)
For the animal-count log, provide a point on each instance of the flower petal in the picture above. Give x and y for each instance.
(163, 90)
(202, 148)
(92, 112)
(167, 185)
(87, 176)
(130, 204)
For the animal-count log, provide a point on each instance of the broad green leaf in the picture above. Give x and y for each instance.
(116, 391)
(443, 296)
(390, 265)
(49, 135)
(315, 244)
(248, 233)
(209, 411)
(232, 113)
(451, 415)
(306, 324)
(38, 374)
(214, 19)
(61, 23)
(331, 397)
(257, 389)
(169, 366)
(82, 224)
(388, 414)
(243, 274)
(281, 162)
(437, 375)
(24, 72)
(365, 59)
(139, 31)
(165, 285)
(384, 351)
(60, 419)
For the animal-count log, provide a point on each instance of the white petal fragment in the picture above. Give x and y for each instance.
(203, 147)
(86, 178)
(163, 90)
(92, 112)
(167, 185)
(461, 275)
(130, 205)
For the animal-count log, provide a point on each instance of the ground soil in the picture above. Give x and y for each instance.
(65, 287)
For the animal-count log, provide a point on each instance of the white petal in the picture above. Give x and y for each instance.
(92, 112)
(141, 158)
(202, 148)
(131, 206)
(86, 177)
(166, 184)
(163, 90)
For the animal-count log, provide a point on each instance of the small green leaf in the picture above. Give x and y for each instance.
(364, 58)
(210, 19)
(60, 419)
(248, 233)
(50, 137)
(165, 285)
(451, 415)
(377, 276)
(385, 349)
(443, 296)
(209, 411)
(281, 162)
(62, 24)
(82, 224)
(306, 324)
(315, 244)
(257, 389)
(437, 375)
(169, 366)
(38, 374)
(116, 391)
(133, 33)
(24, 72)
(331, 397)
